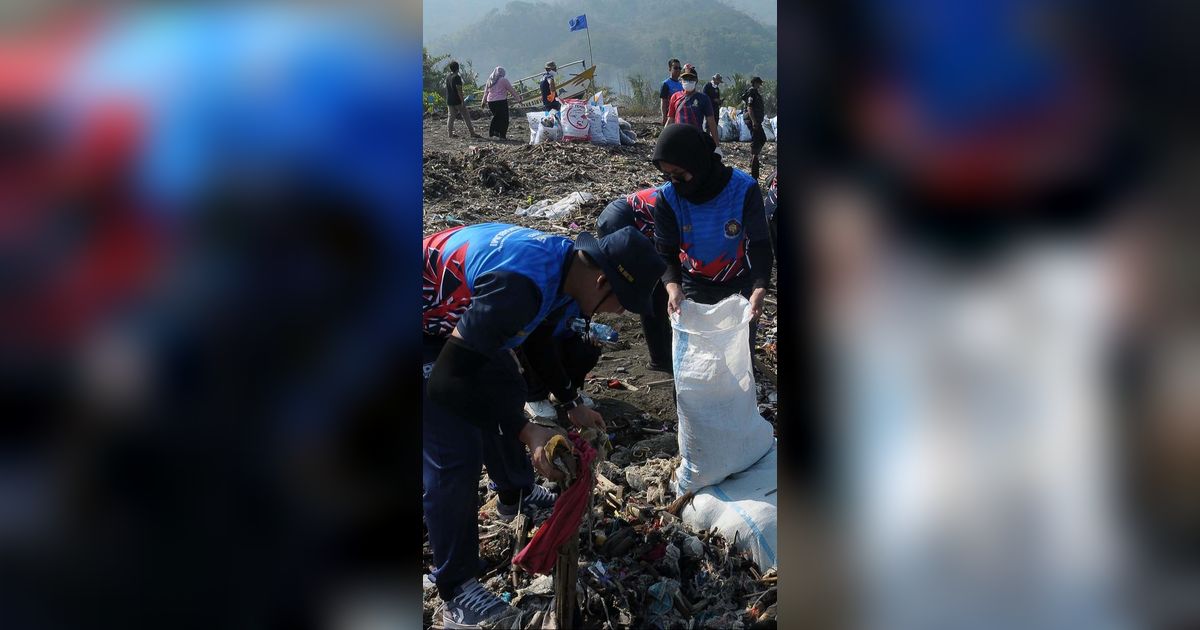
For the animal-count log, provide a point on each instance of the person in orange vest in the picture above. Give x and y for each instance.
(550, 88)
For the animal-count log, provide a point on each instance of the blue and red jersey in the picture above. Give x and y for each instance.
(689, 109)
(494, 282)
(772, 202)
(642, 202)
(713, 236)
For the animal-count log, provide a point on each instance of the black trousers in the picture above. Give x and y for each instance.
(499, 126)
(578, 357)
(656, 326)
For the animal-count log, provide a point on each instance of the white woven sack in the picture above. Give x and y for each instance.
(720, 429)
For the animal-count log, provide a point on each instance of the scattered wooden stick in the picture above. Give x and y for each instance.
(660, 382)
(521, 523)
(565, 576)
(678, 504)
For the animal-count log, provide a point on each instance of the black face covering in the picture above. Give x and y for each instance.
(691, 149)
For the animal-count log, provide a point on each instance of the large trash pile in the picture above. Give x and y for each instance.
(640, 566)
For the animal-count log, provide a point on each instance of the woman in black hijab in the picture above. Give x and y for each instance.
(710, 225)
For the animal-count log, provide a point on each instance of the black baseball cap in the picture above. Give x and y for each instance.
(630, 263)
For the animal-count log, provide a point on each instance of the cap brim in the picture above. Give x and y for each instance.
(625, 292)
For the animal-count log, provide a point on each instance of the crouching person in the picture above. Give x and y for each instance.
(486, 289)
(637, 209)
(556, 360)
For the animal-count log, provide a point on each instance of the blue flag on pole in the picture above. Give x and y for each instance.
(579, 23)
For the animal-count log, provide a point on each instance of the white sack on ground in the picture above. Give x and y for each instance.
(744, 133)
(727, 130)
(720, 429)
(596, 125)
(543, 127)
(575, 121)
(612, 125)
(743, 507)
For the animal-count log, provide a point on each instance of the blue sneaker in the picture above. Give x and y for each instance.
(473, 606)
(539, 498)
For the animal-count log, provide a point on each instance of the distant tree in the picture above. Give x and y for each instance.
(738, 83)
(470, 78)
(433, 78)
(642, 95)
(434, 71)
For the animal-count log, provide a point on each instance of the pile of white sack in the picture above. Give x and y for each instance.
(591, 121)
(727, 449)
(604, 125)
(548, 209)
(732, 127)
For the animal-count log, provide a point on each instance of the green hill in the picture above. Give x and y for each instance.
(762, 10)
(629, 37)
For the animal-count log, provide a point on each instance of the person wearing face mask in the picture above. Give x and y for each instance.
(710, 226)
(690, 107)
(670, 86)
(486, 290)
(550, 88)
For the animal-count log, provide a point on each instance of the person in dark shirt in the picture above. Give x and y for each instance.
(754, 115)
(456, 102)
(486, 290)
(578, 353)
(637, 209)
(670, 85)
(709, 225)
(550, 88)
(713, 92)
(690, 107)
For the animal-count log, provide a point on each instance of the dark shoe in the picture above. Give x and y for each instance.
(537, 499)
(658, 367)
(473, 606)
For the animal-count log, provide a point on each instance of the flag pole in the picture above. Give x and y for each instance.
(589, 34)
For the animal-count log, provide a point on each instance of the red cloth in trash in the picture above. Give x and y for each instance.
(541, 553)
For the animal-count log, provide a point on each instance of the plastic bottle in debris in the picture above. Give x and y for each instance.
(599, 331)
